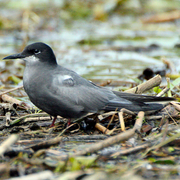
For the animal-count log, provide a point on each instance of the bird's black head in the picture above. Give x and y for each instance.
(35, 52)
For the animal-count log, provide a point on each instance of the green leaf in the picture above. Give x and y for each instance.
(77, 163)
(15, 79)
(166, 161)
(61, 167)
(157, 89)
(152, 159)
(170, 149)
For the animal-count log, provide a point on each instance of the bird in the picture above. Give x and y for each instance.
(60, 91)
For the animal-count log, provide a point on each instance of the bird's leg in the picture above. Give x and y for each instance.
(69, 122)
(52, 125)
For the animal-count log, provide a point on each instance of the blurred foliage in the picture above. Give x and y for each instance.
(38, 13)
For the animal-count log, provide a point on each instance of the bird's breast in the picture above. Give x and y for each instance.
(33, 82)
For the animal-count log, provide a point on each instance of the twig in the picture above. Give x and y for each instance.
(45, 144)
(154, 117)
(165, 90)
(108, 142)
(155, 81)
(32, 119)
(65, 129)
(7, 143)
(23, 117)
(124, 110)
(176, 105)
(102, 128)
(43, 175)
(131, 150)
(113, 140)
(105, 115)
(8, 118)
(112, 118)
(168, 86)
(121, 121)
(139, 120)
(12, 100)
(8, 106)
(10, 90)
(86, 138)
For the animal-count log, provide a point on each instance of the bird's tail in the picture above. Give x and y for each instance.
(137, 102)
(142, 98)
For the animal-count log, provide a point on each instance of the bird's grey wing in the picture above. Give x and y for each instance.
(77, 93)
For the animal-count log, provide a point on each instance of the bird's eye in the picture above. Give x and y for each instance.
(36, 51)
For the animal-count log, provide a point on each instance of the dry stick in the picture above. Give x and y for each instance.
(23, 117)
(155, 81)
(64, 130)
(165, 90)
(32, 119)
(7, 143)
(149, 118)
(121, 120)
(168, 85)
(102, 128)
(113, 140)
(47, 174)
(176, 105)
(124, 110)
(8, 106)
(10, 90)
(8, 118)
(83, 138)
(108, 113)
(10, 99)
(131, 150)
(108, 142)
(45, 144)
(105, 115)
(112, 118)
(139, 120)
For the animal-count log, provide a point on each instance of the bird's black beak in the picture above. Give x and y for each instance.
(15, 56)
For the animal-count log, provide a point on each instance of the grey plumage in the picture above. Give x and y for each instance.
(60, 91)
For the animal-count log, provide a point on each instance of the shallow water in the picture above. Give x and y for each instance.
(117, 49)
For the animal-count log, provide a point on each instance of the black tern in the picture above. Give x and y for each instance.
(60, 91)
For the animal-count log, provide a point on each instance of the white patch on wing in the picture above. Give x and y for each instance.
(66, 77)
(31, 59)
(62, 78)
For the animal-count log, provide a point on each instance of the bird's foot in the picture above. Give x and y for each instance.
(52, 125)
(69, 122)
